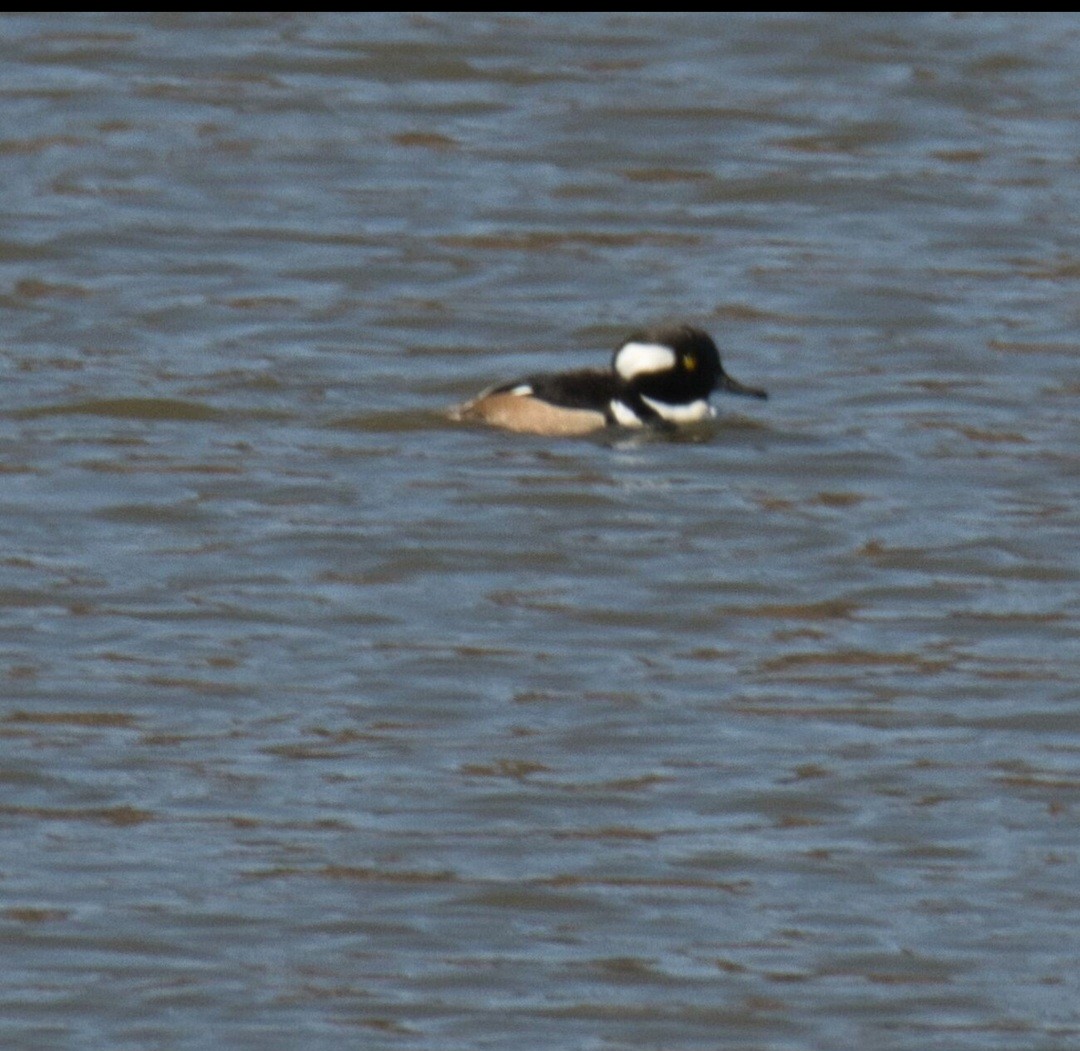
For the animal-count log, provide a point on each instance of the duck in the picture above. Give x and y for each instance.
(659, 377)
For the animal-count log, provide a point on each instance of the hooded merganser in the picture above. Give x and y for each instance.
(658, 377)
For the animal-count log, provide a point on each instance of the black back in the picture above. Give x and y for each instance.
(580, 389)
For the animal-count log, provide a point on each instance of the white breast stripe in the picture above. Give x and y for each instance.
(634, 359)
(696, 410)
(624, 414)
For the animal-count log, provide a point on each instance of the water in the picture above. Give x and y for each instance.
(326, 722)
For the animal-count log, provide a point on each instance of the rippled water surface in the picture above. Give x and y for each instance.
(325, 722)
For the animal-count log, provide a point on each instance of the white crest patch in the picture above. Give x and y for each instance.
(522, 389)
(624, 415)
(696, 410)
(633, 359)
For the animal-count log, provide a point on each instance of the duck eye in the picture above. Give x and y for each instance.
(690, 362)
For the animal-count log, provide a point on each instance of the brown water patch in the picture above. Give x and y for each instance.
(774, 503)
(747, 312)
(796, 821)
(430, 140)
(38, 144)
(991, 617)
(369, 875)
(730, 966)
(856, 659)
(712, 653)
(173, 409)
(382, 1025)
(157, 465)
(202, 686)
(94, 719)
(17, 672)
(839, 499)
(871, 712)
(714, 1019)
(300, 751)
(614, 65)
(1024, 347)
(970, 156)
(359, 874)
(829, 609)
(32, 288)
(1055, 270)
(32, 915)
(627, 968)
(1040, 781)
(666, 175)
(260, 302)
(611, 832)
(378, 733)
(735, 887)
(392, 421)
(515, 769)
(821, 143)
(903, 968)
(636, 784)
(118, 815)
(977, 434)
(546, 241)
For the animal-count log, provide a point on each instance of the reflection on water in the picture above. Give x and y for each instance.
(325, 719)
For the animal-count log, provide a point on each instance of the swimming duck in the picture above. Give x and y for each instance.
(659, 377)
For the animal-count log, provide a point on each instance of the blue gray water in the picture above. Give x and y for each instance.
(327, 723)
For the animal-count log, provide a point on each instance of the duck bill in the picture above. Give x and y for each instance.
(735, 387)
